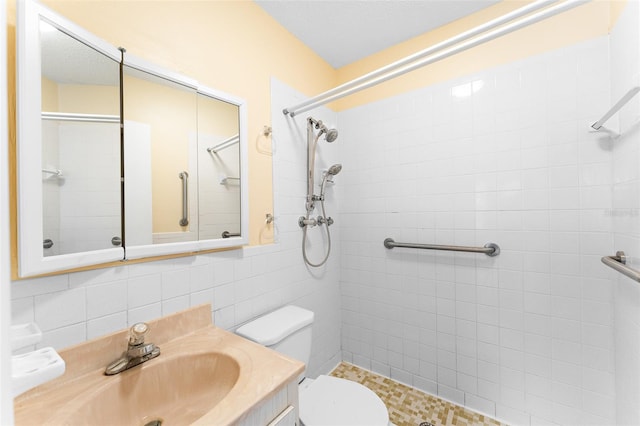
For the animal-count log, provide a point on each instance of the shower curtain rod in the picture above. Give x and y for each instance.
(429, 55)
(67, 116)
(225, 144)
(425, 52)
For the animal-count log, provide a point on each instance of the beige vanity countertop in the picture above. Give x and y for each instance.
(263, 372)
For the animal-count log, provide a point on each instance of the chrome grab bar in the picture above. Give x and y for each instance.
(185, 198)
(619, 263)
(490, 249)
(227, 234)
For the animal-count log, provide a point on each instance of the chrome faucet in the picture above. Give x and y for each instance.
(137, 352)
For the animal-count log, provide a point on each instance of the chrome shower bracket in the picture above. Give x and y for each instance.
(310, 205)
(303, 221)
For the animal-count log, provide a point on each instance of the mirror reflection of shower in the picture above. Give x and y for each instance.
(307, 221)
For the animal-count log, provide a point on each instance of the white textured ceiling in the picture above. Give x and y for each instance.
(65, 60)
(343, 31)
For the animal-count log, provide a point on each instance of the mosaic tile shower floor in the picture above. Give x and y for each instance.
(410, 407)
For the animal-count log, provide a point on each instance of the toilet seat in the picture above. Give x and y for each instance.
(333, 401)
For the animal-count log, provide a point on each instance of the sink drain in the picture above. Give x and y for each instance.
(155, 422)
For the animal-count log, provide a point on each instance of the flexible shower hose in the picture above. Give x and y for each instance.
(304, 238)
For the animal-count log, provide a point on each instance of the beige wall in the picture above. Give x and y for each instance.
(49, 95)
(83, 99)
(216, 117)
(89, 99)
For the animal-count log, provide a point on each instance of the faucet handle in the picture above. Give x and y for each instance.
(137, 333)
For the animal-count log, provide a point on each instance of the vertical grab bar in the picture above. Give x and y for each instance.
(185, 198)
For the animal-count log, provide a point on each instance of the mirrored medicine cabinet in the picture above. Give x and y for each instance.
(118, 158)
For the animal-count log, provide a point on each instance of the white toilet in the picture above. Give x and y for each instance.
(326, 400)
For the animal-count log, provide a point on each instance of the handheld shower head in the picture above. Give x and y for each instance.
(328, 177)
(334, 170)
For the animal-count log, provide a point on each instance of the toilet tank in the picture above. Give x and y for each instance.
(286, 330)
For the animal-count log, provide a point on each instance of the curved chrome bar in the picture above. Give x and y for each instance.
(618, 262)
(490, 249)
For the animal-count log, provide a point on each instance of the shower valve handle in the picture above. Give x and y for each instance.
(321, 220)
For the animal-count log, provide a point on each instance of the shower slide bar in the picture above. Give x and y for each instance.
(224, 144)
(598, 125)
(490, 249)
(439, 51)
(184, 176)
(93, 118)
(619, 263)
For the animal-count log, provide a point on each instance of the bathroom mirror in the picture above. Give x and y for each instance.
(160, 118)
(183, 150)
(174, 182)
(219, 182)
(68, 129)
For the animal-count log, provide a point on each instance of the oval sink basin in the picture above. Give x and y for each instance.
(176, 390)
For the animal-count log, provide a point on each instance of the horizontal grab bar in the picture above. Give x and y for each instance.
(490, 249)
(619, 263)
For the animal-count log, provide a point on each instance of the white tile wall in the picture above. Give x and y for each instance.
(500, 156)
(82, 211)
(625, 74)
(89, 205)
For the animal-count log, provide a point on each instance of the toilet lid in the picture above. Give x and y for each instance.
(333, 401)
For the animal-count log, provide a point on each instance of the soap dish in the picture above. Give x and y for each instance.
(23, 335)
(35, 368)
